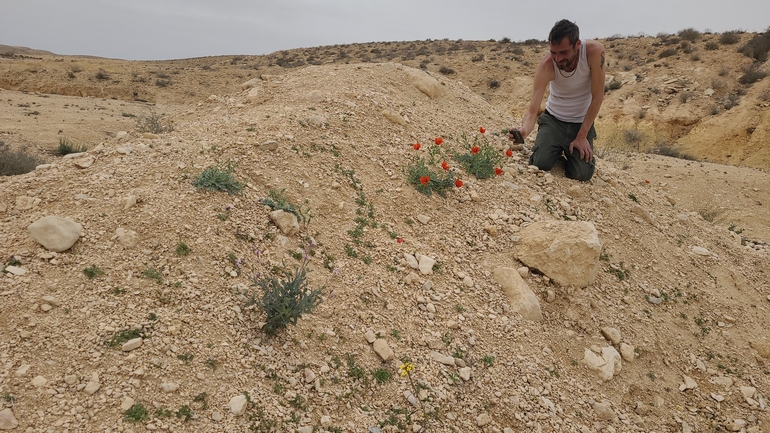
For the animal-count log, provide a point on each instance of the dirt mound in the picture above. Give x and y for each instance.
(686, 301)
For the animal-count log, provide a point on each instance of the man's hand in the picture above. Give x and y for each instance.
(581, 144)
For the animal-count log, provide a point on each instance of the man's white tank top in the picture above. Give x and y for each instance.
(570, 93)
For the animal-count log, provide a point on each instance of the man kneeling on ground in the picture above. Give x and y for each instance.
(575, 71)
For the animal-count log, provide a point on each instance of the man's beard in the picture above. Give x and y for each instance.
(564, 64)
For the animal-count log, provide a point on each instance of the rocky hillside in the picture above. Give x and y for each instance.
(145, 322)
(694, 94)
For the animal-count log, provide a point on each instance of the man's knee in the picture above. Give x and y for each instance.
(582, 172)
(542, 160)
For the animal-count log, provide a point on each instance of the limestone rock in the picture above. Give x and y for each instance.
(270, 145)
(127, 403)
(642, 213)
(83, 163)
(8, 420)
(603, 411)
(26, 203)
(611, 334)
(93, 385)
(315, 97)
(605, 365)
(251, 83)
(465, 373)
(317, 120)
(565, 251)
(381, 348)
(128, 202)
(426, 84)
(169, 386)
(426, 265)
(55, 233)
(483, 419)
(701, 251)
(39, 381)
(762, 349)
(520, 296)
(628, 352)
(238, 405)
(393, 117)
(132, 344)
(127, 238)
(688, 383)
(285, 221)
(443, 359)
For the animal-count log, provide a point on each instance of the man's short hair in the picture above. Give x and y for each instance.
(562, 29)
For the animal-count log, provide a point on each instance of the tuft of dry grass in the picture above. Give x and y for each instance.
(17, 161)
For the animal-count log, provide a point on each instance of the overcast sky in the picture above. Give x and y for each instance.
(173, 29)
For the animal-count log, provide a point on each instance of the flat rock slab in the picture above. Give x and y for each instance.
(565, 251)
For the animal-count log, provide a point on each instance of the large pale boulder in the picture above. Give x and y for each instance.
(55, 233)
(605, 366)
(425, 83)
(520, 296)
(566, 251)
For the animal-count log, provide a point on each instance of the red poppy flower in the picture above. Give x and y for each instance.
(508, 153)
(400, 241)
(646, 181)
(439, 140)
(445, 165)
(416, 146)
(482, 130)
(498, 171)
(475, 150)
(424, 180)
(458, 183)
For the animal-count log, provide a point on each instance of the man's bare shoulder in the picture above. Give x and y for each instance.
(594, 48)
(545, 67)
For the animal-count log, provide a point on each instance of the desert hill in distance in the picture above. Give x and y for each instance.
(145, 323)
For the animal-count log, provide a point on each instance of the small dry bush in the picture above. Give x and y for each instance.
(758, 47)
(686, 96)
(729, 38)
(446, 71)
(633, 137)
(667, 150)
(667, 53)
(751, 76)
(493, 84)
(102, 75)
(153, 122)
(711, 46)
(689, 34)
(16, 161)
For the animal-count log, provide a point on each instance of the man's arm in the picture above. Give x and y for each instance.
(543, 75)
(595, 57)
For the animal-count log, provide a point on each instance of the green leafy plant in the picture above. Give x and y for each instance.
(428, 180)
(480, 157)
(381, 375)
(92, 272)
(153, 274)
(66, 147)
(182, 249)
(285, 300)
(136, 413)
(488, 360)
(185, 413)
(124, 335)
(277, 200)
(219, 178)
(185, 357)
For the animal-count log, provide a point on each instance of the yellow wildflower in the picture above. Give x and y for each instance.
(406, 368)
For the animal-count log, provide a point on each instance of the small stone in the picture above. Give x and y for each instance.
(718, 398)
(723, 381)
(381, 348)
(468, 281)
(127, 238)
(269, 145)
(465, 373)
(238, 405)
(483, 419)
(309, 375)
(411, 261)
(550, 296)
(370, 336)
(326, 420)
(689, 383)
(23, 370)
(423, 219)
(443, 359)
(305, 429)
(735, 425)
(8, 420)
(654, 300)
(127, 403)
(169, 386)
(426, 265)
(217, 416)
(132, 344)
(93, 385)
(15, 270)
(748, 391)
(51, 300)
(611, 334)
(70, 379)
(39, 381)
(84, 163)
(128, 202)
(523, 271)
(701, 251)
(603, 411)
(627, 352)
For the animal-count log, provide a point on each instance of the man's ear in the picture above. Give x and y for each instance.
(577, 44)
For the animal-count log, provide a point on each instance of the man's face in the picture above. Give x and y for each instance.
(565, 54)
